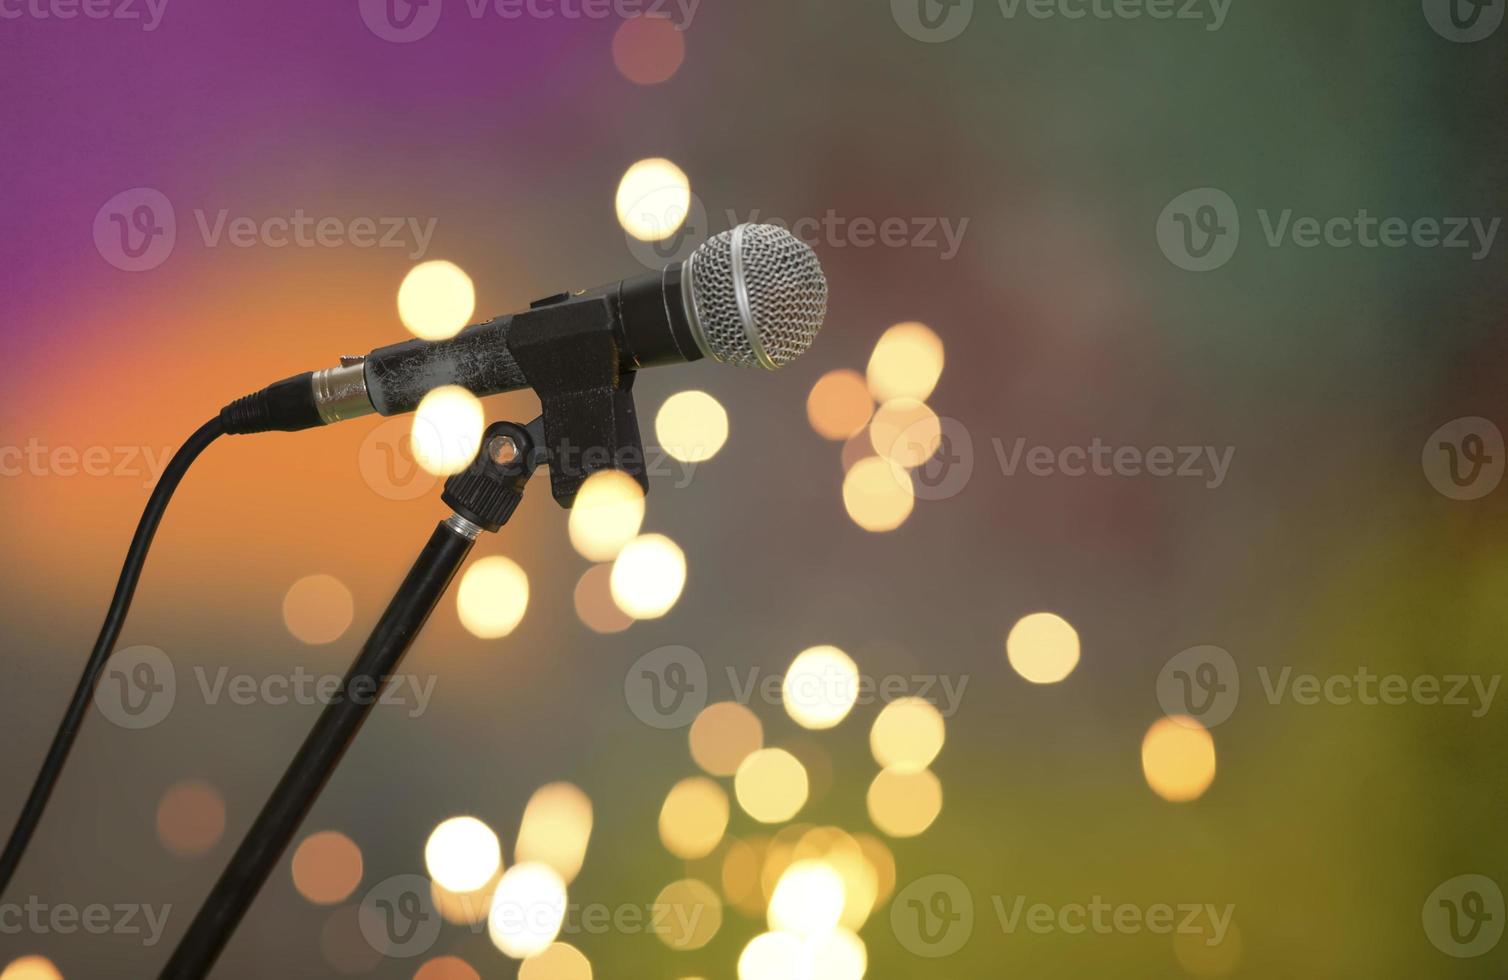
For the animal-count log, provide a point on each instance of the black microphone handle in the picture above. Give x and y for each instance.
(652, 328)
(477, 359)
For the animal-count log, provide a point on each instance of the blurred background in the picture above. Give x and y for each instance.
(1023, 626)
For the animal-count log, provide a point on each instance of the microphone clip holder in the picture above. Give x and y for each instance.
(570, 351)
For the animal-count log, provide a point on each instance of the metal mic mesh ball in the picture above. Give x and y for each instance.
(758, 295)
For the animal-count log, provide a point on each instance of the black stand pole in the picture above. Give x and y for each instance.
(483, 497)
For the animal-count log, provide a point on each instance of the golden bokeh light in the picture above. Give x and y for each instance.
(844, 854)
(774, 956)
(742, 861)
(1178, 759)
(723, 736)
(810, 842)
(905, 804)
(436, 300)
(446, 968)
(779, 853)
(771, 786)
(691, 426)
(694, 818)
(560, 961)
(653, 199)
(839, 955)
(877, 854)
(528, 909)
(647, 50)
(556, 828)
(606, 515)
(906, 363)
(839, 405)
(906, 432)
(808, 900)
(861, 892)
(594, 602)
(464, 908)
(687, 914)
(318, 609)
(1043, 648)
(447, 430)
(326, 867)
(30, 968)
(878, 494)
(462, 854)
(907, 735)
(190, 818)
(648, 576)
(493, 597)
(820, 687)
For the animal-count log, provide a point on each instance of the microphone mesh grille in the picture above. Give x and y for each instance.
(786, 290)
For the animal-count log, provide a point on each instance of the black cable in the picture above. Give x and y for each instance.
(115, 618)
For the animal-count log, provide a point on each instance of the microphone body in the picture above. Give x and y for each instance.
(754, 296)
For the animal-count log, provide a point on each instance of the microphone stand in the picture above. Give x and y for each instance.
(569, 350)
(483, 497)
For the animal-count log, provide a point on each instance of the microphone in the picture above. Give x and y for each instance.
(753, 296)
